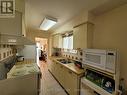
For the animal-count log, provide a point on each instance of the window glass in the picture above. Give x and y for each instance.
(65, 42)
(68, 44)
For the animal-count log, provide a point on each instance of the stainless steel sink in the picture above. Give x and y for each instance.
(65, 61)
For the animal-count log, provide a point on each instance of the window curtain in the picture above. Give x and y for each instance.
(68, 42)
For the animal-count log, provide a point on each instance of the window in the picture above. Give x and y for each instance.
(68, 44)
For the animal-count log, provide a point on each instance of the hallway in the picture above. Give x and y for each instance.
(49, 86)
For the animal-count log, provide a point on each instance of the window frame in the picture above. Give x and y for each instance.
(68, 49)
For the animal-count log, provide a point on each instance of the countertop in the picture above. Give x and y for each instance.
(23, 69)
(70, 66)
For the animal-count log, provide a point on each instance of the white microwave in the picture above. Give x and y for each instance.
(101, 59)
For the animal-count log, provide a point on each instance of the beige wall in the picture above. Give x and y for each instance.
(32, 34)
(83, 16)
(111, 32)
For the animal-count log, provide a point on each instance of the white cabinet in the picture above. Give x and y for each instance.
(82, 36)
(71, 82)
(68, 79)
(57, 41)
(61, 75)
(11, 26)
(15, 26)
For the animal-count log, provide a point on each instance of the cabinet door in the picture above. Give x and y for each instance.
(80, 36)
(62, 75)
(85, 90)
(11, 26)
(50, 65)
(53, 69)
(56, 69)
(57, 41)
(71, 83)
(54, 41)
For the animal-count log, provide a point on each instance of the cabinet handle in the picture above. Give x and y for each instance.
(61, 66)
(70, 72)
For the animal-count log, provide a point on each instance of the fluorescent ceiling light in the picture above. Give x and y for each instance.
(48, 23)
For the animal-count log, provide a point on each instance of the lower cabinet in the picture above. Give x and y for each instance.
(68, 79)
(85, 90)
(71, 82)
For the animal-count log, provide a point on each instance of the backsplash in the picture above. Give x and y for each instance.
(72, 54)
(75, 56)
(5, 51)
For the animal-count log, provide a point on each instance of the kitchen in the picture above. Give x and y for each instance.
(98, 25)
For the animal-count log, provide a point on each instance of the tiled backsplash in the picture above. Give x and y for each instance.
(5, 51)
(75, 56)
(72, 54)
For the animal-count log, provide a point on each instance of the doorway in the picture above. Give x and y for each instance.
(42, 49)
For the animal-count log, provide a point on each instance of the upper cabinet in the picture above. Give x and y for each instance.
(57, 41)
(11, 26)
(15, 26)
(83, 35)
(20, 7)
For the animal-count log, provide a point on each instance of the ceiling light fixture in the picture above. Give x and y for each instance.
(47, 23)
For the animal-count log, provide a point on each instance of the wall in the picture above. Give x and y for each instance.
(32, 34)
(82, 17)
(111, 32)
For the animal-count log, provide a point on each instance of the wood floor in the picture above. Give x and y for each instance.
(49, 86)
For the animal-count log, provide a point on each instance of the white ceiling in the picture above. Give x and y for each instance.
(63, 10)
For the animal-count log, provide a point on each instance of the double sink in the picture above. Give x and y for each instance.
(65, 61)
(68, 61)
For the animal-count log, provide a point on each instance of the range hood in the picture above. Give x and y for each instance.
(14, 40)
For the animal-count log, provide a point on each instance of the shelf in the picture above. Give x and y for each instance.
(95, 87)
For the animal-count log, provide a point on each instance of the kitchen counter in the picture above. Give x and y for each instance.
(23, 79)
(23, 69)
(66, 73)
(70, 66)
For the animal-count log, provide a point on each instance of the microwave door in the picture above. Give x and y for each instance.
(95, 60)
